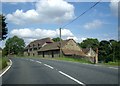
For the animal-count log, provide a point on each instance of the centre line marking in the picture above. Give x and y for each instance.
(38, 62)
(113, 68)
(31, 60)
(49, 66)
(71, 78)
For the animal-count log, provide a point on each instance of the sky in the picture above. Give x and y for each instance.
(43, 18)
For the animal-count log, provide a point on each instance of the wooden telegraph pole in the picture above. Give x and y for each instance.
(60, 43)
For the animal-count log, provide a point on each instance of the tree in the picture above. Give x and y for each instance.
(3, 28)
(89, 42)
(117, 51)
(104, 51)
(14, 46)
(109, 50)
(56, 39)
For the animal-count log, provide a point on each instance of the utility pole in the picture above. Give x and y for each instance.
(60, 43)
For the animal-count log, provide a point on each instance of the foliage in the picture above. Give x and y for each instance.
(14, 46)
(104, 50)
(89, 42)
(107, 50)
(56, 39)
(3, 28)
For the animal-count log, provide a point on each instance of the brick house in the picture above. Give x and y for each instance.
(32, 48)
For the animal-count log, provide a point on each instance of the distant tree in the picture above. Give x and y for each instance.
(14, 46)
(56, 39)
(3, 28)
(104, 51)
(117, 51)
(89, 42)
(109, 50)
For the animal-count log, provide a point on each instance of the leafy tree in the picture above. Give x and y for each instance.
(109, 50)
(116, 50)
(89, 42)
(14, 45)
(104, 51)
(56, 39)
(3, 28)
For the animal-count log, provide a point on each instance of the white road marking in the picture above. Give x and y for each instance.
(49, 66)
(71, 78)
(38, 62)
(31, 60)
(113, 68)
(97, 65)
(6, 69)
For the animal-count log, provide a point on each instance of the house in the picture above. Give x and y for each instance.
(67, 47)
(91, 54)
(33, 47)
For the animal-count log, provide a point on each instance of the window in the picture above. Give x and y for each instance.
(35, 48)
(30, 49)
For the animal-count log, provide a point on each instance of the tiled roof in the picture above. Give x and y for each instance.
(85, 50)
(54, 45)
(73, 52)
(39, 43)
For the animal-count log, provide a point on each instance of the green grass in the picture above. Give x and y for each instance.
(117, 63)
(81, 60)
(64, 58)
(3, 62)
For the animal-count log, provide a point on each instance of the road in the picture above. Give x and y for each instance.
(42, 71)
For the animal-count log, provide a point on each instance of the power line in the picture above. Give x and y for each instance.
(81, 14)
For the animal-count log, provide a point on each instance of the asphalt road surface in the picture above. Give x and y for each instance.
(42, 71)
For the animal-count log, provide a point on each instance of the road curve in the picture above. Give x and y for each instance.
(42, 71)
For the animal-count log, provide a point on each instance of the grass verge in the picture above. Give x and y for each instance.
(117, 63)
(3, 62)
(80, 60)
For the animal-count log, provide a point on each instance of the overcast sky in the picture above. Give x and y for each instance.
(43, 18)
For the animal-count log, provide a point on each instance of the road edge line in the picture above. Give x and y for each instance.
(6, 69)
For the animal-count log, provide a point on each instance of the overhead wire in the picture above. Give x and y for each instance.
(81, 14)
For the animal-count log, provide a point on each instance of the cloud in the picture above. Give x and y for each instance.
(73, 37)
(114, 7)
(93, 25)
(18, 0)
(32, 34)
(46, 11)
